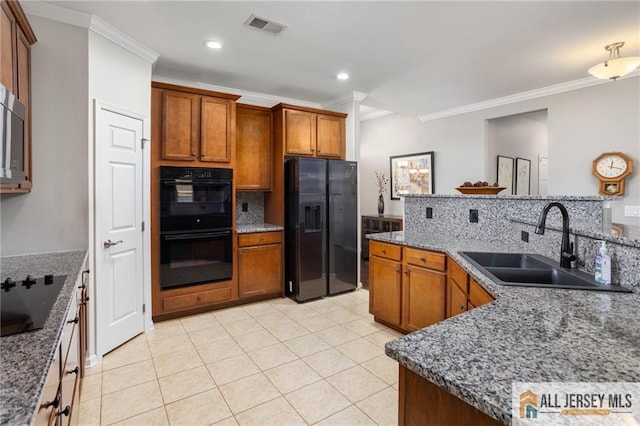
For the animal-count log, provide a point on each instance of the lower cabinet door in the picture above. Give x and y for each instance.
(260, 270)
(385, 290)
(456, 299)
(424, 298)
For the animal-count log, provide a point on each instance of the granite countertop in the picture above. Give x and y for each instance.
(25, 358)
(526, 335)
(258, 227)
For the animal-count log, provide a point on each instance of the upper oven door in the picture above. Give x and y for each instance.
(191, 203)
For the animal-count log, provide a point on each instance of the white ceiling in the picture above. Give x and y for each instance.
(418, 57)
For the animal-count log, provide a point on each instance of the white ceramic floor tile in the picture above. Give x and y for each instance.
(90, 412)
(337, 335)
(329, 362)
(163, 329)
(218, 350)
(249, 392)
(343, 315)
(130, 402)
(127, 376)
(185, 384)
(291, 376)
(382, 407)
(156, 417)
(350, 416)
(169, 344)
(380, 338)
(207, 336)
(91, 387)
(175, 362)
(360, 350)
(356, 383)
(287, 331)
(230, 315)
(383, 367)
(277, 412)
(202, 409)
(307, 345)
(362, 327)
(241, 327)
(135, 350)
(260, 308)
(317, 323)
(256, 340)
(198, 322)
(317, 401)
(273, 319)
(231, 369)
(272, 356)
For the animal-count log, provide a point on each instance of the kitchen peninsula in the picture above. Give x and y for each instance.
(469, 362)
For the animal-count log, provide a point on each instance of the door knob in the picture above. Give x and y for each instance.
(110, 243)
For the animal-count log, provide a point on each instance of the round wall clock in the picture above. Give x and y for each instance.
(611, 168)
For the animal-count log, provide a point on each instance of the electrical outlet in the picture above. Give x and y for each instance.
(632, 211)
(429, 213)
(245, 207)
(473, 216)
(524, 236)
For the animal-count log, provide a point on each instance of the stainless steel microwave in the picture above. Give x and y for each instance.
(12, 116)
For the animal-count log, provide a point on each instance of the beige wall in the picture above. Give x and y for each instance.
(582, 124)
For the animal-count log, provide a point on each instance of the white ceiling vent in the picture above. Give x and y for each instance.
(265, 25)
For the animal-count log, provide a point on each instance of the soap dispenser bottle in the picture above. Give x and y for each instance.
(603, 265)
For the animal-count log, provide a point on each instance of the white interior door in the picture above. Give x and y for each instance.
(119, 237)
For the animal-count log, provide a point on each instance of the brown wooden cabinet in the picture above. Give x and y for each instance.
(253, 148)
(406, 285)
(312, 133)
(197, 126)
(16, 38)
(421, 402)
(260, 264)
(463, 292)
(423, 288)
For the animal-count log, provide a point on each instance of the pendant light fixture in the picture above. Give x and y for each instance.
(614, 67)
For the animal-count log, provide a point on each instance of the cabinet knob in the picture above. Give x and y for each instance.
(406, 272)
(383, 251)
(55, 403)
(462, 308)
(74, 371)
(74, 321)
(193, 154)
(398, 270)
(422, 259)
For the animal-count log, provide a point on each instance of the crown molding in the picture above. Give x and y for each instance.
(246, 97)
(518, 97)
(111, 33)
(92, 23)
(347, 97)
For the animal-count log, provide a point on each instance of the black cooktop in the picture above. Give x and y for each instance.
(26, 303)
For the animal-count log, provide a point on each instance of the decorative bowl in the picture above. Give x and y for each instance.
(480, 189)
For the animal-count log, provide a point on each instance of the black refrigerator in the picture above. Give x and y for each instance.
(321, 227)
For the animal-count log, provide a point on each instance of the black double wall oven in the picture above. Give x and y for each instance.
(196, 222)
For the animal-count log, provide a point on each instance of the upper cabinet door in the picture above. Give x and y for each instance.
(253, 150)
(217, 121)
(179, 126)
(330, 142)
(8, 42)
(300, 132)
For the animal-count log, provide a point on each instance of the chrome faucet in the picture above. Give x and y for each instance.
(566, 249)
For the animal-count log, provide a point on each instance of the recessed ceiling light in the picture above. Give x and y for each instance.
(212, 44)
(343, 76)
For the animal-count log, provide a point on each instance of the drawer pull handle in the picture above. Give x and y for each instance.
(74, 321)
(65, 412)
(383, 251)
(74, 371)
(55, 403)
(406, 272)
(422, 259)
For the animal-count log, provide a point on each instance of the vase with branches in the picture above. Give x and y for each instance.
(383, 181)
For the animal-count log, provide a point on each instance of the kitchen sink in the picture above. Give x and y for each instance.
(534, 270)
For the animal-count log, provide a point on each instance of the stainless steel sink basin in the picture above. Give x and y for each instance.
(533, 270)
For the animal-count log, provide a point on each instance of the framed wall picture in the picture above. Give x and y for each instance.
(411, 174)
(523, 176)
(505, 173)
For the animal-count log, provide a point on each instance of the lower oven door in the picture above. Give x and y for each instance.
(195, 258)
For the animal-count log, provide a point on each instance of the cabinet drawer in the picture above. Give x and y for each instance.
(425, 259)
(202, 298)
(459, 275)
(477, 295)
(259, 238)
(389, 251)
